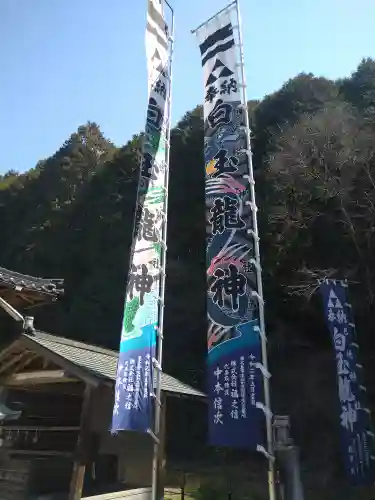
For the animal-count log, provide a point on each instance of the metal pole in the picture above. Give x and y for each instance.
(212, 17)
(254, 232)
(158, 402)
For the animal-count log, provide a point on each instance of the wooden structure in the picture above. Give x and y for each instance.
(58, 397)
(23, 291)
(62, 441)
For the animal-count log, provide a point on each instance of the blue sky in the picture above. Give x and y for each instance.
(64, 62)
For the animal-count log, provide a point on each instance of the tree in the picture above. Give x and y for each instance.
(314, 149)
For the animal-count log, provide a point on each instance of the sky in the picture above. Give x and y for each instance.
(64, 62)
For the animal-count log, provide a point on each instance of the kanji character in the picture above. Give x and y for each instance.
(160, 89)
(223, 164)
(342, 364)
(221, 114)
(229, 282)
(348, 416)
(148, 230)
(218, 403)
(331, 315)
(345, 391)
(218, 418)
(218, 388)
(218, 372)
(117, 396)
(246, 266)
(211, 93)
(154, 114)
(225, 215)
(234, 414)
(228, 87)
(341, 317)
(142, 283)
(149, 168)
(339, 340)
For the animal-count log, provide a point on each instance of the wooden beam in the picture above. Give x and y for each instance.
(22, 364)
(40, 428)
(21, 361)
(82, 449)
(38, 377)
(44, 453)
(25, 298)
(67, 389)
(9, 349)
(58, 360)
(13, 360)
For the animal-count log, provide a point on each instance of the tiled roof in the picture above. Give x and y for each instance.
(102, 362)
(44, 285)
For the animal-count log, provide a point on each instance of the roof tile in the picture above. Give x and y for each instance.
(102, 362)
(44, 285)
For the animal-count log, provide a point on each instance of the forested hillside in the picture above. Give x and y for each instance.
(314, 153)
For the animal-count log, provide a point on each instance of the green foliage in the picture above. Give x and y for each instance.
(359, 88)
(314, 151)
(211, 491)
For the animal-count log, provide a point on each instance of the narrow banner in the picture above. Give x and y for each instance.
(355, 420)
(133, 406)
(235, 374)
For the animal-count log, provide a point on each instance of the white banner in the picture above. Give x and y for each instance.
(218, 52)
(157, 48)
(134, 401)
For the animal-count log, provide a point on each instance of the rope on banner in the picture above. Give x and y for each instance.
(259, 293)
(225, 110)
(157, 363)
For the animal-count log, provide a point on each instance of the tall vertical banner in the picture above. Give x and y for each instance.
(355, 419)
(235, 376)
(134, 393)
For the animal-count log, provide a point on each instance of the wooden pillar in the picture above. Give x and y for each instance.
(81, 455)
(162, 456)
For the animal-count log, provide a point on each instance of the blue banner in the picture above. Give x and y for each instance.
(235, 376)
(134, 393)
(235, 387)
(134, 383)
(355, 419)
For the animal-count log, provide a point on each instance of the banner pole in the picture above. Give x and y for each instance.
(254, 232)
(159, 360)
(232, 4)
